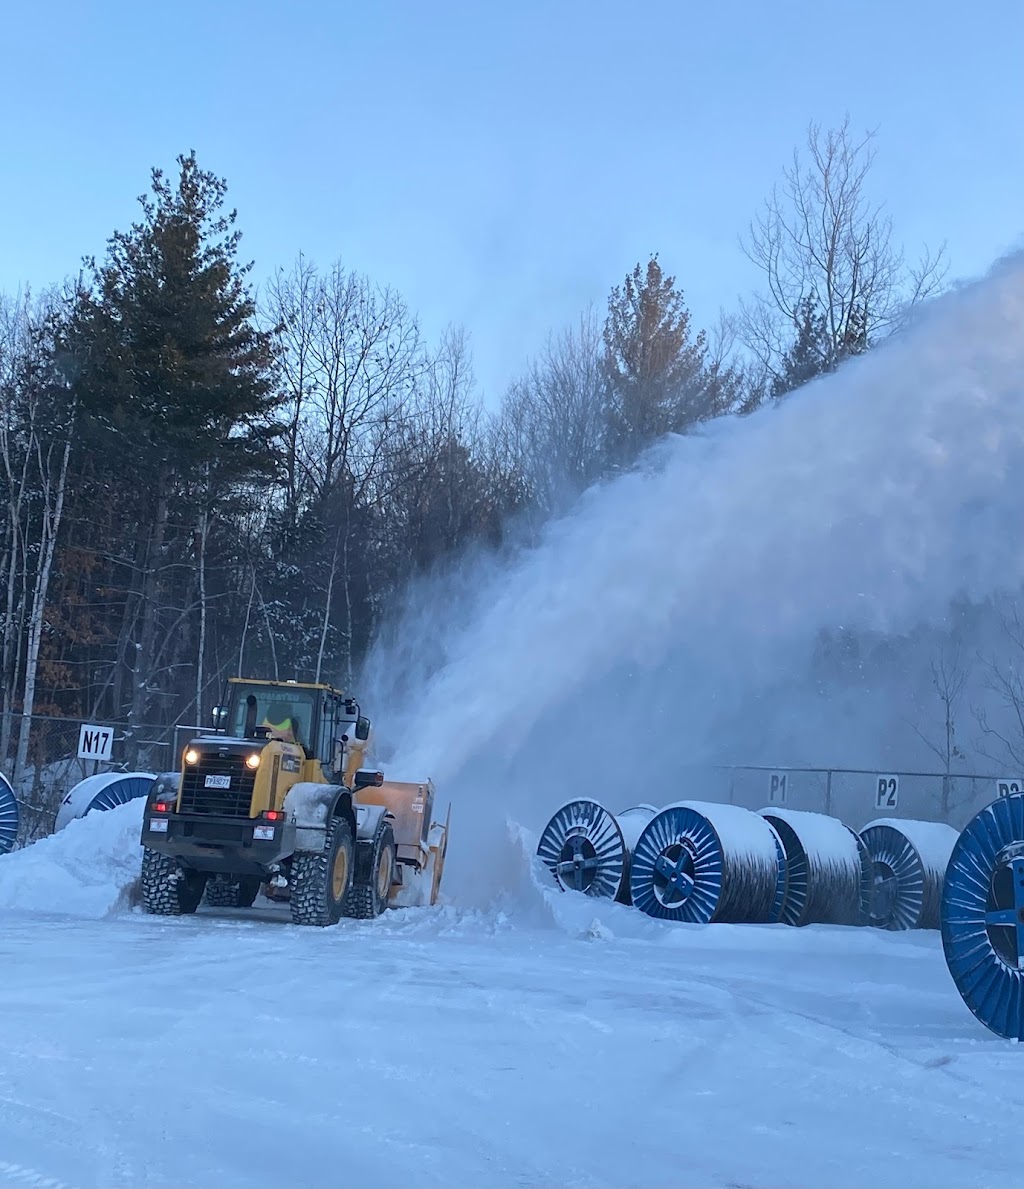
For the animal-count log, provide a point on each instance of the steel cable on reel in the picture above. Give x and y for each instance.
(909, 860)
(587, 848)
(982, 916)
(701, 862)
(828, 868)
(8, 816)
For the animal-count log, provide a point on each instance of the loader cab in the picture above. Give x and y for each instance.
(323, 721)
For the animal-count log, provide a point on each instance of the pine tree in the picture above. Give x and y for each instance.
(655, 375)
(814, 351)
(174, 381)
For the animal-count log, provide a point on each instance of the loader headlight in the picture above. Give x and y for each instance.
(191, 756)
(253, 761)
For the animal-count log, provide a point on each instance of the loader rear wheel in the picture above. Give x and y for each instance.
(168, 889)
(321, 882)
(232, 891)
(375, 873)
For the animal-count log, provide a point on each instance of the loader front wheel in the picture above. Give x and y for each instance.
(321, 882)
(167, 888)
(375, 873)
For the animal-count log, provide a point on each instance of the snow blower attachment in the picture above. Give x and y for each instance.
(275, 797)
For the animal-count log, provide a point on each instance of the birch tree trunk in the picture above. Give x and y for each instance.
(53, 488)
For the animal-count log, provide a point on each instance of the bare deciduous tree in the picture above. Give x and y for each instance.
(949, 676)
(1005, 680)
(553, 419)
(822, 243)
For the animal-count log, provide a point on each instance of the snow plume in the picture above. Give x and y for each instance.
(673, 598)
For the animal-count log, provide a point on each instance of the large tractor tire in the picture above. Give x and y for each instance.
(321, 882)
(375, 873)
(168, 889)
(227, 891)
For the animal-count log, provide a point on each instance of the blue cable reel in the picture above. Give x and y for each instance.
(8, 816)
(583, 848)
(982, 916)
(698, 862)
(909, 860)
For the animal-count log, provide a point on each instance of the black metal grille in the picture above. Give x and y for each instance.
(234, 801)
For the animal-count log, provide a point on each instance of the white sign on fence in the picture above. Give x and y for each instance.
(1008, 788)
(95, 743)
(887, 792)
(777, 788)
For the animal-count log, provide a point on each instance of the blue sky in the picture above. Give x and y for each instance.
(502, 165)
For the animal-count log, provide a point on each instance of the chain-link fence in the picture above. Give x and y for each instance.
(54, 765)
(854, 796)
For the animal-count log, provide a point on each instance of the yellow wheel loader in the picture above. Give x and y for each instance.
(276, 797)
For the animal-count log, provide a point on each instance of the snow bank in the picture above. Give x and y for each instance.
(89, 869)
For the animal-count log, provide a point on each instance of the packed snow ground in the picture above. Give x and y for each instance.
(553, 1040)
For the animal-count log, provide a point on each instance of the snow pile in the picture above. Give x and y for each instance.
(89, 869)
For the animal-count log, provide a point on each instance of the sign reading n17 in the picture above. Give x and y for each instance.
(95, 743)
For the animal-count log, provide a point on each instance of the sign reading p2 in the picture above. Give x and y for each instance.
(887, 792)
(1008, 788)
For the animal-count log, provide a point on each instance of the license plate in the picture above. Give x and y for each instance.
(217, 782)
(158, 825)
(263, 833)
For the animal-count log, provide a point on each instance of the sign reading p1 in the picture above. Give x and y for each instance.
(95, 743)
(1008, 788)
(777, 788)
(887, 792)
